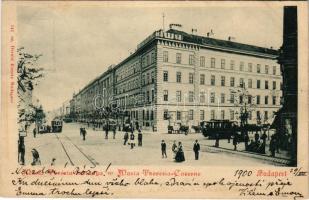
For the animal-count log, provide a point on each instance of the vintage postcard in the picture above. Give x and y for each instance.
(154, 99)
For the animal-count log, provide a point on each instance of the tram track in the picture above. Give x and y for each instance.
(91, 160)
(75, 155)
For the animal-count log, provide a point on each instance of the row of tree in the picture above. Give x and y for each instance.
(29, 74)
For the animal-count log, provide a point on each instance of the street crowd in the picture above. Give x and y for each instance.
(256, 145)
(129, 138)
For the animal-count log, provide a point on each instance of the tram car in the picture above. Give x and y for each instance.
(56, 125)
(224, 128)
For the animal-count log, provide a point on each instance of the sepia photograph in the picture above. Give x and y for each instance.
(154, 99)
(211, 86)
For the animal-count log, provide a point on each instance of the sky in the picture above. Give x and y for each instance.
(80, 42)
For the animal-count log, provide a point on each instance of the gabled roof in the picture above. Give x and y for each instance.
(222, 43)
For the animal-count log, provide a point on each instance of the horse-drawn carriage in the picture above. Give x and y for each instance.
(178, 128)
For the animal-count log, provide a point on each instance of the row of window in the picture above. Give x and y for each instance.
(223, 81)
(128, 100)
(213, 115)
(222, 64)
(146, 115)
(148, 59)
(148, 78)
(126, 71)
(178, 58)
(233, 98)
(127, 86)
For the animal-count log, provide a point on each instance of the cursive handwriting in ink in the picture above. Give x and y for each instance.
(298, 172)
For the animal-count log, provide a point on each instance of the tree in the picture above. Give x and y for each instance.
(246, 103)
(29, 74)
(27, 68)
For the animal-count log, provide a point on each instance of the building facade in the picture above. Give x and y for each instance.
(178, 78)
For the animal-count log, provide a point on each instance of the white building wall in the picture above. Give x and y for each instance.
(185, 87)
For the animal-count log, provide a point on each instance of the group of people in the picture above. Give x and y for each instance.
(178, 153)
(108, 127)
(21, 155)
(132, 138)
(257, 145)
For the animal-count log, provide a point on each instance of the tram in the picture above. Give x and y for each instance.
(56, 125)
(224, 128)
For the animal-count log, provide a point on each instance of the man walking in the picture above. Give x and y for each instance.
(34, 132)
(21, 151)
(264, 137)
(106, 131)
(163, 149)
(140, 138)
(196, 149)
(246, 140)
(272, 145)
(84, 132)
(132, 141)
(235, 141)
(125, 138)
(114, 131)
(217, 140)
(256, 137)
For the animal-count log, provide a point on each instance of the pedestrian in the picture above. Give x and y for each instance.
(196, 149)
(163, 149)
(277, 139)
(53, 162)
(246, 140)
(132, 141)
(174, 149)
(264, 137)
(272, 146)
(21, 151)
(229, 138)
(125, 138)
(34, 132)
(48, 128)
(137, 126)
(81, 131)
(84, 132)
(262, 147)
(36, 157)
(235, 141)
(140, 137)
(217, 140)
(256, 137)
(114, 131)
(106, 131)
(180, 157)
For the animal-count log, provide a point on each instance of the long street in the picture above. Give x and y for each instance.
(68, 148)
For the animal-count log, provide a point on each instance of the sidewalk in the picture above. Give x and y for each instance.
(281, 157)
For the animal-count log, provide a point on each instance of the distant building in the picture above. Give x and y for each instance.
(175, 77)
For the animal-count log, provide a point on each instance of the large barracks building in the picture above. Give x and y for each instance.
(174, 77)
